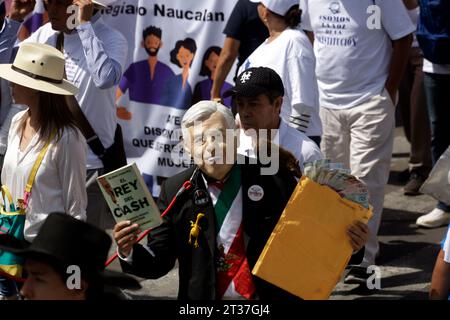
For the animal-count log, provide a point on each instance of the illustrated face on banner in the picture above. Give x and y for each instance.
(185, 57)
(211, 63)
(152, 44)
(212, 146)
(150, 111)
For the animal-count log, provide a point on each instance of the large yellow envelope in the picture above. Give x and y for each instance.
(309, 248)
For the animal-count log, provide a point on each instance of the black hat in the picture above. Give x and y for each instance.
(255, 81)
(67, 241)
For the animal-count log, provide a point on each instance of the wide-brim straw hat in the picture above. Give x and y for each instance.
(39, 67)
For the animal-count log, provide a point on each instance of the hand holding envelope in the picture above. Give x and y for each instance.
(309, 248)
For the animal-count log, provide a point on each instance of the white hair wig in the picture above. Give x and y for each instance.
(202, 111)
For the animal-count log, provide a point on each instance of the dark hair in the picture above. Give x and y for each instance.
(204, 71)
(272, 95)
(188, 44)
(151, 30)
(293, 16)
(54, 114)
(2, 9)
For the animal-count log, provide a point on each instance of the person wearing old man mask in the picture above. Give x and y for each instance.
(218, 227)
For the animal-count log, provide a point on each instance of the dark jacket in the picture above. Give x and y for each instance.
(197, 273)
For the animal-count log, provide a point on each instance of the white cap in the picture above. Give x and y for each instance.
(280, 7)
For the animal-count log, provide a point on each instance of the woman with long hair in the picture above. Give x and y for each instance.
(44, 169)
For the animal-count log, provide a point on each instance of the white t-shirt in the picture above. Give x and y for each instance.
(60, 181)
(291, 55)
(97, 104)
(352, 60)
(430, 67)
(289, 138)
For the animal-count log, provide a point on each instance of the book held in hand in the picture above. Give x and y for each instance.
(128, 197)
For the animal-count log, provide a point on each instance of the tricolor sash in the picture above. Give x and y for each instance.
(234, 278)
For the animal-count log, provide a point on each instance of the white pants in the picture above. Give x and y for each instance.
(362, 138)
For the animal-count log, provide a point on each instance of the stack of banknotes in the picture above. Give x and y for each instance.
(339, 179)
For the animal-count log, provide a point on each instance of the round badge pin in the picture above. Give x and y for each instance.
(201, 197)
(255, 193)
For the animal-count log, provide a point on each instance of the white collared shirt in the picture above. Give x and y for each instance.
(94, 52)
(289, 138)
(60, 181)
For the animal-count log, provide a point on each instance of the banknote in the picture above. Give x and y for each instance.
(338, 178)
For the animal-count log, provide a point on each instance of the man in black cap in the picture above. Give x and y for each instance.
(66, 261)
(258, 96)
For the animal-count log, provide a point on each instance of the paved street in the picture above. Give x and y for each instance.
(407, 253)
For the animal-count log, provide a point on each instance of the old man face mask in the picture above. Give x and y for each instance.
(213, 146)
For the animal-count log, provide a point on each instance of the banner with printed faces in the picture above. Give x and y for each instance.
(174, 46)
(174, 49)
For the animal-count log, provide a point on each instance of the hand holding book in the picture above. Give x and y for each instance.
(128, 197)
(125, 235)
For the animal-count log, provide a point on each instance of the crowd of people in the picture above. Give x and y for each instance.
(315, 75)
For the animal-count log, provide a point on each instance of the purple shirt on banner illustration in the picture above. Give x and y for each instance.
(202, 90)
(178, 92)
